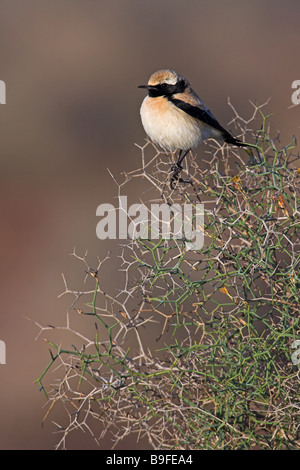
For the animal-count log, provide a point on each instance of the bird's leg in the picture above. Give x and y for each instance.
(177, 167)
(180, 157)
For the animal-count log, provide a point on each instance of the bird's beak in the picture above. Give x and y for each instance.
(148, 87)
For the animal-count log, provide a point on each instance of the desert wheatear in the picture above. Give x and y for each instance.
(175, 118)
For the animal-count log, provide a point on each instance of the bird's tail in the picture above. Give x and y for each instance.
(229, 139)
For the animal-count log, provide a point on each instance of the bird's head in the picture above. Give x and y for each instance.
(165, 83)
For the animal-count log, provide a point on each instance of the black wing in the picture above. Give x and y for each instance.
(206, 117)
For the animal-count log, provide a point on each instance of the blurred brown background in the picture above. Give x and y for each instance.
(71, 69)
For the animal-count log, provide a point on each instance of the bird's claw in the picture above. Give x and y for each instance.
(176, 168)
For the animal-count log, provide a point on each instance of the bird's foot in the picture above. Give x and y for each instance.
(177, 169)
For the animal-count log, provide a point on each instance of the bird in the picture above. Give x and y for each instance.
(175, 118)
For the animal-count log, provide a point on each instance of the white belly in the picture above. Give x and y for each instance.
(169, 126)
